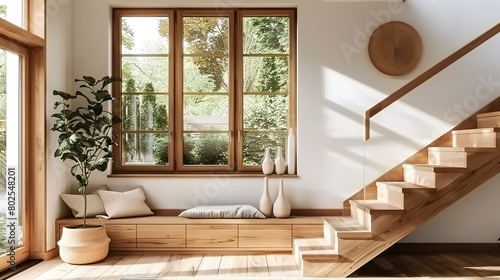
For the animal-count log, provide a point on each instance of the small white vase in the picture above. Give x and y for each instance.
(279, 162)
(290, 152)
(265, 203)
(267, 163)
(281, 207)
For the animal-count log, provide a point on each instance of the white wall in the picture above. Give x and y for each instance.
(334, 90)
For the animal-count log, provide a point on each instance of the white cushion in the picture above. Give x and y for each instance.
(223, 212)
(76, 203)
(125, 204)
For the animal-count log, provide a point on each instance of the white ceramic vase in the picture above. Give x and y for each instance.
(266, 203)
(290, 151)
(281, 207)
(267, 162)
(279, 162)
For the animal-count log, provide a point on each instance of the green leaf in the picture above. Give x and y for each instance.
(102, 164)
(116, 119)
(57, 153)
(89, 80)
(97, 108)
(103, 95)
(74, 169)
(63, 95)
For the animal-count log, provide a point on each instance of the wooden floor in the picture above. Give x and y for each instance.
(155, 266)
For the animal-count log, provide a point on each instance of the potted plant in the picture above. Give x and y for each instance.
(84, 138)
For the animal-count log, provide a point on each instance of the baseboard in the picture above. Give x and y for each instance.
(294, 212)
(399, 248)
(45, 255)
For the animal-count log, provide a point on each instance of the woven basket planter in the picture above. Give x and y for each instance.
(79, 245)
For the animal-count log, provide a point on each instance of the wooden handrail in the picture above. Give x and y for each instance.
(440, 66)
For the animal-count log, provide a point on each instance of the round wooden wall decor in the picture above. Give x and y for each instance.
(395, 48)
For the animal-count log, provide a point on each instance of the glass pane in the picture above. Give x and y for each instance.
(206, 35)
(265, 74)
(206, 149)
(255, 143)
(265, 112)
(145, 35)
(206, 112)
(144, 112)
(145, 148)
(11, 224)
(206, 74)
(145, 74)
(264, 35)
(12, 11)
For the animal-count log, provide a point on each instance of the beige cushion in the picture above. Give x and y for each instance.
(76, 203)
(125, 204)
(222, 212)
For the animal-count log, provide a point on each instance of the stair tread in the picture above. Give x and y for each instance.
(436, 168)
(463, 149)
(315, 248)
(374, 204)
(348, 227)
(488, 114)
(477, 130)
(406, 187)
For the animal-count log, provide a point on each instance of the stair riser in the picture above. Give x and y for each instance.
(456, 159)
(486, 140)
(361, 216)
(389, 196)
(428, 178)
(486, 122)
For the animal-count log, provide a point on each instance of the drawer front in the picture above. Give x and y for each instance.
(122, 236)
(161, 236)
(307, 231)
(272, 236)
(212, 236)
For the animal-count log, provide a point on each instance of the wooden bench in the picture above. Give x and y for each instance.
(182, 235)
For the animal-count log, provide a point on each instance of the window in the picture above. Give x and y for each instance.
(202, 90)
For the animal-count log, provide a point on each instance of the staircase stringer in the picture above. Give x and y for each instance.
(396, 173)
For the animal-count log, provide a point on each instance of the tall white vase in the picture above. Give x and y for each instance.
(290, 151)
(279, 162)
(281, 207)
(266, 203)
(267, 162)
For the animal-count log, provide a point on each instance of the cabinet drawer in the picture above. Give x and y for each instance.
(212, 236)
(307, 231)
(161, 236)
(122, 235)
(274, 236)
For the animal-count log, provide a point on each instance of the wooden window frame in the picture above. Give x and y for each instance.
(235, 95)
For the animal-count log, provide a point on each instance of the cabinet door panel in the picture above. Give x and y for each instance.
(273, 236)
(212, 236)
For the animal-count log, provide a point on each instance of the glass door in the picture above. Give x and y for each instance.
(13, 233)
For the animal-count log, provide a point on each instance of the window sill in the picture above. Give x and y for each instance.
(202, 175)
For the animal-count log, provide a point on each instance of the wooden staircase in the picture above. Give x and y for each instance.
(400, 207)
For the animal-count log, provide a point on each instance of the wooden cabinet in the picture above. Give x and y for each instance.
(262, 236)
(122, 236)
(212, 236)
(182, 235)
(163, 236)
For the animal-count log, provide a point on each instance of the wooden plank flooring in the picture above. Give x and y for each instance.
(158, 266)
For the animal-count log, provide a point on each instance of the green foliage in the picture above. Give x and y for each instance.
(209, 149)
(160, 149)
(83, 132)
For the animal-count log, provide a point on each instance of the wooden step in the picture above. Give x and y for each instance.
(314, 249)
(376, 206)
(405, 187)
(478, 137)
(490, 119)
(436, 168)
(466, 157)
(425, 177)
(347, 227)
